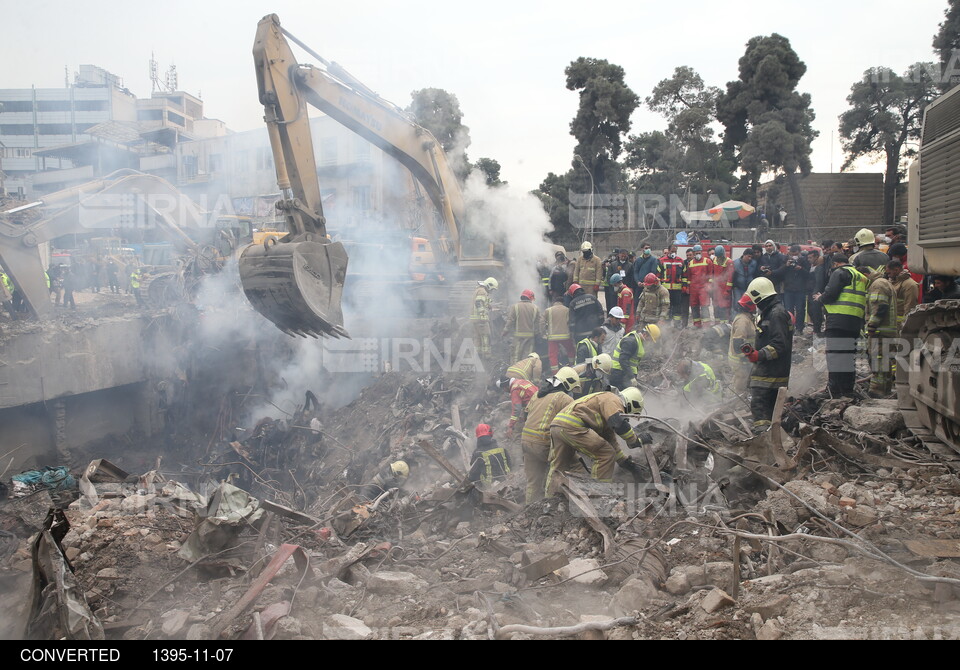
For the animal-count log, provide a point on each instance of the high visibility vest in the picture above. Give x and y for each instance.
(6, 281)
(481, 305)
(706, 372)
(591, 348)
(135, 279)
(47, 275)
(488, 456)
(852, 300)
(633, 364)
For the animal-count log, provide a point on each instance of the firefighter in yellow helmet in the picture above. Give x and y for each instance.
(594, 375)
(552, 398)
(629, 352)
(529, 368)
(480, 315)
(589, 426)
(391, 475)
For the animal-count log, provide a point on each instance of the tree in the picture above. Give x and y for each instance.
(491, 171)
(766, 118)
(554, 193)
(602, 120)
(885, 116)
(439, 112)
(946, 43)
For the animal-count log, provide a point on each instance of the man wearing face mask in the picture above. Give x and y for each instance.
(588, 272)
(699, 273)
(744, 272)
(672, 280)
(722, 284)
(645, 264)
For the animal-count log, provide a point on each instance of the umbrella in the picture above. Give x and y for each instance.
(730, 207)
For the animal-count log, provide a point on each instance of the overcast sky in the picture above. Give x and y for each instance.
(503, 60)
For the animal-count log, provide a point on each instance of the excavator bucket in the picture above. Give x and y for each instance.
(297, 285)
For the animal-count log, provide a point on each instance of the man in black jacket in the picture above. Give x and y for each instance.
(585, 313)
(771, 357)
(845, 302)
(773, 264)
(795, 279)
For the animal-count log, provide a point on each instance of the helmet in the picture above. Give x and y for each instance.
(504, 382)
(586, 246)
(617, 313)
(865, 236)
(569, 378)
(616, 278)
(719, 250)
(632, 400)
(760, 289)
(400, 469)
(534, 356)
(573, 289)
(560, 254)
(483, 430)
(490, 284)
(746, 302)
(651, 279)
(603, 363)
(528, 294)
(653, 330)
(697, 247)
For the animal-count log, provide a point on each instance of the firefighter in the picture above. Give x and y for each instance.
(390, 476)
(589, 426)
(480, 316)
(742, 331)
(701, 382)
(672, 279)
(551, 399)
(654, 305)
(521, 393)
(845, 302)
(489, 462)
(881, 319)
(585, 312)
(555, 329)
(594, 374)
(529, 368)
(590, 347)
(135, 278)
(625, 301)
(868, 258)
(771, 357)
(588, 272)
(521, 324)
(722, 284)
(626, 357)
(699, 273)
(907, 290)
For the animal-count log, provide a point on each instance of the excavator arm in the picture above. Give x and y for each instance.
(83, 209)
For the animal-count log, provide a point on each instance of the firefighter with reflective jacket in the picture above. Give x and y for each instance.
(489, 462)
(845, 301)
(654, 305)
(586, 313)
(529, 368)
(521, 324)
(625, 301)
(590, 347)
(881, 330)
(771, 356)
(480, 315)
(521, 393)
(590, 426)
(672, 280)
(722, 284)
(629, 352)
(555, 329)
(593, 374)
(552, 398)
(588, 271)
(701, 382)
(699, 273)
(391, 476)
(743, 331)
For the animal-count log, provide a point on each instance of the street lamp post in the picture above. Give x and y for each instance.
(577, 157)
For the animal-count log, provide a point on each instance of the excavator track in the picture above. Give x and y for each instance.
(928, 388)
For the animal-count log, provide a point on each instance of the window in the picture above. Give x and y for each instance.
(176, 118)
(16, 129)
(53, 105)
(189, 167)
(20, 153)
(328, 151)
(361, 150)
(55, 129)
(361, 198)
(150, 115)
(84, 127)
(264, 159)
(91, 105)
(16, 106)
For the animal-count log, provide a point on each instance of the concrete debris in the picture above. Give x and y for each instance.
(342, 627)
(716, 600)
(879, 417)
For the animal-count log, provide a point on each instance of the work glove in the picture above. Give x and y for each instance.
(753, 356)
(644, 438)
(633, 468)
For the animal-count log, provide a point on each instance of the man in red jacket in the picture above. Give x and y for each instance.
(672, 280)
(722, 285)
(624, 301)
(699, 273)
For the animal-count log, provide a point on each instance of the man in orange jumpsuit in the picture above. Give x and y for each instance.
(699, 273)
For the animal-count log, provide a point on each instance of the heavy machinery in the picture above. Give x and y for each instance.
(123, 198)
(928, 374)
(297, 281)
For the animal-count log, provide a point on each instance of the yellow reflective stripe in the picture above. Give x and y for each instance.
(569, 420)
(769, 379)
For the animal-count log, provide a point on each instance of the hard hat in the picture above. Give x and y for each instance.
(491, 284)
(759, 289)
(504, 382)
(719, 250)
(653, 330)
(535, 356)
(746, 302)
(569, 378)
(560, 254)
(651, 279)
(528, 294)
(616, 278)
(697, 247)
(573, 289)
(400, 469)
(617, 313)
(632, 400)
(865, 236)
(586, 246)
(483, 430)
(603, 363)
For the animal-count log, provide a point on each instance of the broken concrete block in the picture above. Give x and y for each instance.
(809, 493)
(716, 600)
(756, 621)
(769, 609)
(771, 630)
(678, 583)
(198, 631)
(72, 553)
(848, 490)
(635, 594)
(136, 503)
(870, 418)
(861, 516)
(108, 573)
(174, 620)
(343, 627)
(395, 583)
(287, 628)
(583, 571)
(847, 502)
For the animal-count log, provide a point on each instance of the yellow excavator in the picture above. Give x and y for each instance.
(297, 281)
